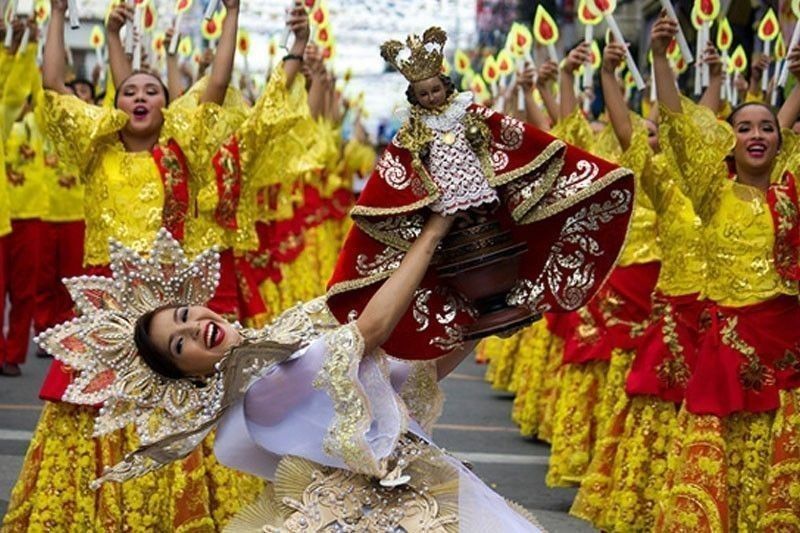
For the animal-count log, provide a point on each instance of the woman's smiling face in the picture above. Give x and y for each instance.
(195, 338)
(757, 138)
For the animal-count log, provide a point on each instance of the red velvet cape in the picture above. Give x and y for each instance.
(571, 208)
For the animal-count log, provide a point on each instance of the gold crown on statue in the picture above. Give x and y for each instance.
(171, 416)
(419, 58)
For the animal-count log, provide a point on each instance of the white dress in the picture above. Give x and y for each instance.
(302, 412)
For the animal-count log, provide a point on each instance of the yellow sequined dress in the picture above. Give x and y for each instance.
(599, 349)
(620, 489)
(125, 198)
(734, 464)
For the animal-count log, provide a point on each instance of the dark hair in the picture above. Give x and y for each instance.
(81, 81)
(449, 88)
(759, 104)
(159, 362)
(134, 73)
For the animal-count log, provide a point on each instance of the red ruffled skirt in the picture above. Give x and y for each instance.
(734, 464)
(668, 348)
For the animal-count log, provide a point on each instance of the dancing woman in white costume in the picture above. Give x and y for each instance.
(338, 426)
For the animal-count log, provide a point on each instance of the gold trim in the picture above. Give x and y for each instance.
(544, 156)
(384, 237)
(700, 498)
(364, 211)
(339, 379)
(422, 395)
(578, 197)
(550, 178)
(355, 284)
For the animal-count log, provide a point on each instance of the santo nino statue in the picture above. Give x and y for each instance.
(559, 212)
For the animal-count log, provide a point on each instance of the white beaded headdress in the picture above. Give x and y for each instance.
(171, 416)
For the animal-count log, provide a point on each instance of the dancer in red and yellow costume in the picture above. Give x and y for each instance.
(10, 112)
(733, 464)
(620, 488)
(286, 264)
(143, 164)
(61, 239)
(603, 335)
(28, 201)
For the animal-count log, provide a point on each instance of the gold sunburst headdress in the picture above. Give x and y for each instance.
(419, 58)
(171, 416)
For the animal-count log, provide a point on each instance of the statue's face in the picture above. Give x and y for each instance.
(430, 93)
(194, 337)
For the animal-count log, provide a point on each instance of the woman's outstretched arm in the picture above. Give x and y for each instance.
(390, 302)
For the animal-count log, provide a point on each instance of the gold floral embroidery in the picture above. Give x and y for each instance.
(422, 394)
(610, 305)
(339, 378)
(15, 178)
(587, 331)
(789, 361)
(311, 497)
(673, 370)
(753, 373)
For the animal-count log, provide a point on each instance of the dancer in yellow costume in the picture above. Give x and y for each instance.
(733, 464)
(295, 246)
(606, 333)
(143, 165)
(9, 113)
(27, 194)
(620, 489)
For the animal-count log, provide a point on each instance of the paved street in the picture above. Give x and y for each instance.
(475, 425)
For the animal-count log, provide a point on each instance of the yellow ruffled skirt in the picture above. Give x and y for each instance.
(534, 377)
(52, 493)
(502, 355)
(538, 413)
(574, 423)
(589, 395)
(740, 473)
(484, 351)
(621, 487)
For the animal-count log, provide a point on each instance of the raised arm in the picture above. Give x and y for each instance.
(222, 67)
(545, 78)
(664, 30)
(174, 75)
(756, 71)
(618, 113)
(118, 60)
(20, 77)
(55, 55)
(315, 72)
(576, 57)
(390, 302)
(691, 133)
(711, 97)
(298, 24)
(533, 114)
(791, 107)
(334, 109)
